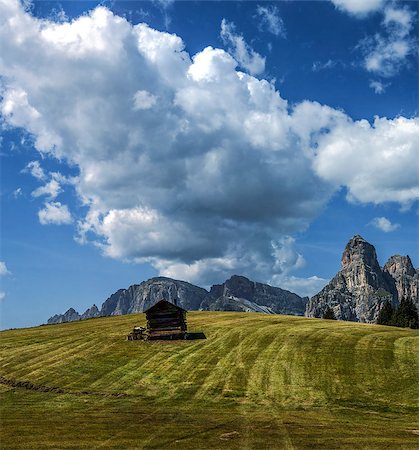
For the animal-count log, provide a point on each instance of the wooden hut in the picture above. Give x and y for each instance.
(166, 320)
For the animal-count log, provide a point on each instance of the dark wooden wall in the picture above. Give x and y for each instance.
(166, 320)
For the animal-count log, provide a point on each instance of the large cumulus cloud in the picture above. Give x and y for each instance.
(184, 161)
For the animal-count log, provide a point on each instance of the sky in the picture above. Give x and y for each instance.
(198, 140)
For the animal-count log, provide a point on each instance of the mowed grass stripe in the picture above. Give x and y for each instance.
(42, 366)
(22, 352)
(252, 344)
(148, 357)
(213, 383)
(41, 356)
(282, 373)
(193, 362)
(260, 375)
(267, 381)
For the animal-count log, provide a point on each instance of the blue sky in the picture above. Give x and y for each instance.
(201, 139)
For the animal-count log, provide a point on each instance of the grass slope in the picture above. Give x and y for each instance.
(257, 381)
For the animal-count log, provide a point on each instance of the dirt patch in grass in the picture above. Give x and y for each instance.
(53, 389)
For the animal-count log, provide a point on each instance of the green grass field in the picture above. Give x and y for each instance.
(257, 381)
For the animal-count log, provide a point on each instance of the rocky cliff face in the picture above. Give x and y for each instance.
(240, 294)
(236, 294)
(360, 288)
(139, 297)
(405, 276)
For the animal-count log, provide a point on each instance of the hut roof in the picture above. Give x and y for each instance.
(161, 303)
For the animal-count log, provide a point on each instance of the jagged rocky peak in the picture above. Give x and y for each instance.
(239, 293)
(237, 285)
(399, 265)
(358, 250)
(90, 313)
(358, 291)
(405, 276)
(360, 265)
(70, 315)
(138, 297)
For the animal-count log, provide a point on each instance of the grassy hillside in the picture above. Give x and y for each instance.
(257, 381)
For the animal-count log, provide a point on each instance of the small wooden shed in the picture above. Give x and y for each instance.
(166, 320)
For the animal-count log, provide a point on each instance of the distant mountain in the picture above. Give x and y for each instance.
(69, 316)
(358, 291)
(236, 294)
(139, 297)
(93, 311)
(240, 294)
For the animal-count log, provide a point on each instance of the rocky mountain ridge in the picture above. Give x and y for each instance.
(236, 294)
(240, 294)
(359, 290)
(405, 276)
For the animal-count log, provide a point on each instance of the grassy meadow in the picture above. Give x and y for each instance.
(257, 381)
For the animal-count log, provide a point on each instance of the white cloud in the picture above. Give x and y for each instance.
(384, 224)
(359, 8)
(283, 260)
(305, 287)
(400, 19)
(50, 189)
(211, 65)
(3, 272)
(35, 169)
(270, 20)
(387, 52)
(208, 180)
(378, 86)
(385, 57)
(144, 100)
(247, 58)
(377, 163)
(317, 66)
(17, 193)
(286, 257)
(54, 213)
(287, 260)
(3, 269)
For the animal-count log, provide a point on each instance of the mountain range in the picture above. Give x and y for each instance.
(236, 294)
(356, 293)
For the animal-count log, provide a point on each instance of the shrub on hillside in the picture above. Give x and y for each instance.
(386, 314)
(329, 314)
(405, 315)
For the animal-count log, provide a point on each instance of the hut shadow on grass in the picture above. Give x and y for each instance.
(193, 336)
